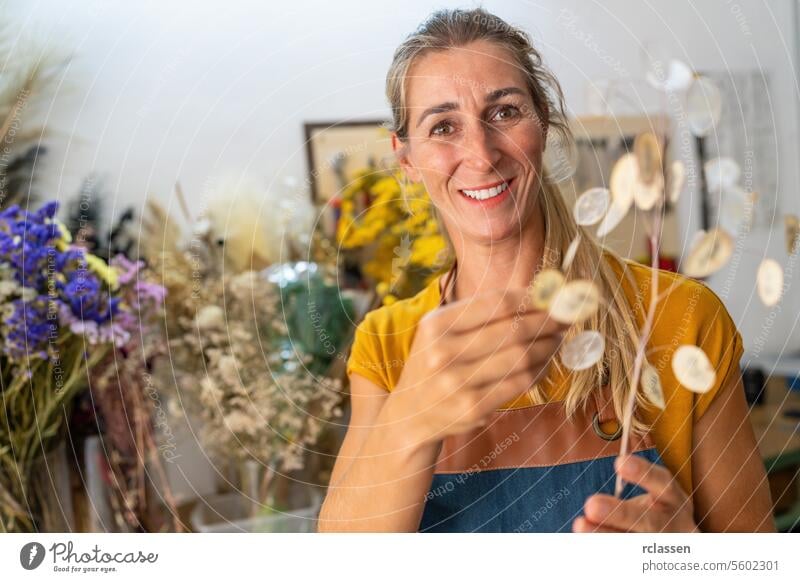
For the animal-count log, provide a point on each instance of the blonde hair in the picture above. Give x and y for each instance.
(447, 29)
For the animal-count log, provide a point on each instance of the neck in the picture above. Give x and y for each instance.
(500, 265)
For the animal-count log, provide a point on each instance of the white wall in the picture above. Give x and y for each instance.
(161, 91)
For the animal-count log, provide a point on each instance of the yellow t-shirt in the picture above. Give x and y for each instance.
(690, 314)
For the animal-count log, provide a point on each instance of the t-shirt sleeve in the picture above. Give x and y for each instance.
(719, 338)
(365, 354)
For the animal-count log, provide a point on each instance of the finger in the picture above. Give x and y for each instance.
(531, 359)
(655, 479)
(624, 514)
(484, 343)
(500, 334)
(511, 387)
(583, 525)
(491, 351)
(638, 514)
(476, 312)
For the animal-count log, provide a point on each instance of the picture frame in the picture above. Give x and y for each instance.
(337, 149)
(600, 141)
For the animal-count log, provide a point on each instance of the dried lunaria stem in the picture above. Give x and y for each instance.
(570, 302)
(792, 225)
(638, 179)
(769, 282)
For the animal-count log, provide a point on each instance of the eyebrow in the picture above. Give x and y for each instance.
(452, 106)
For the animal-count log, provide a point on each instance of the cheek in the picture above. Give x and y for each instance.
(530, 145)
(437, 163)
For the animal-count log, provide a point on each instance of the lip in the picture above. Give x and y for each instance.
(486, 186)
(491, 202)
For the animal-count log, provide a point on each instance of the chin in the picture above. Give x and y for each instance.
(493, 234)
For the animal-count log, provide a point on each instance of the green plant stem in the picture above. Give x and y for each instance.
(64, 395)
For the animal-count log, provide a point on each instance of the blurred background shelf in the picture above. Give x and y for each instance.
(776, 426)
(787, 365)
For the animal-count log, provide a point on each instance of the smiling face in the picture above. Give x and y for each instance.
(474, 139)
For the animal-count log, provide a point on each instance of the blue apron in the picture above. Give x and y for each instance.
(529, 469)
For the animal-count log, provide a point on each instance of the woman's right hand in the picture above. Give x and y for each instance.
(468, 359)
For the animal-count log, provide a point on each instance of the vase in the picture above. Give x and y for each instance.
(50, 491)
(100, 514)
(126, 500)
(286, 506)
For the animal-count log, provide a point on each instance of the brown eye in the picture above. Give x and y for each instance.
(511, 112)
(439, 127)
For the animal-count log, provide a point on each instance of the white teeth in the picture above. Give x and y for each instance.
(486, 194)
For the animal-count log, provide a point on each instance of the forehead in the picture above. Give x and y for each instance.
(450, 75)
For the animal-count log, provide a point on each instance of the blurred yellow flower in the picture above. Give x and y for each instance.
(106, 273)
(398, 228)
(66, 236)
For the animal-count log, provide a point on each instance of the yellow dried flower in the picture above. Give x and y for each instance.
(399, 229)
(102, 270)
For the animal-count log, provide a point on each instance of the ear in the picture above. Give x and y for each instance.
(401, 152)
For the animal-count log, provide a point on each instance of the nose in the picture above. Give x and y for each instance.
(480, 152)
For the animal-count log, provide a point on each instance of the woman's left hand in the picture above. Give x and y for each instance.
(663, 508)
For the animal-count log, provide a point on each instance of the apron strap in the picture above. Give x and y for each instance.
(604, 403)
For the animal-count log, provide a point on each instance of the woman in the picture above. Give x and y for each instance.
(459, 420)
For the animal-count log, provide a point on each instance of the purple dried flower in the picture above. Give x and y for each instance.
(127, 269)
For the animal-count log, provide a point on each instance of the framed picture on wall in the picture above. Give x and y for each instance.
(600, 142)
(337, 150)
